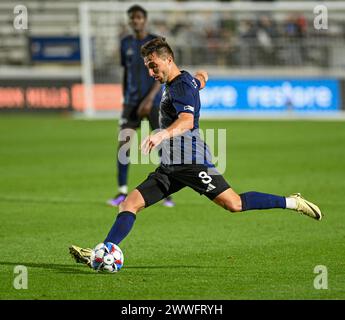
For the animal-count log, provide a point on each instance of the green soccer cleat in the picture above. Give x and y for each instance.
(81, 255)
(306, 207)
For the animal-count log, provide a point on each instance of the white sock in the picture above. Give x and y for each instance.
(291, 203)
(123, 189)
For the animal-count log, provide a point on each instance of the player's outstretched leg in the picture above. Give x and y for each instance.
(298, 203)
(252, 200)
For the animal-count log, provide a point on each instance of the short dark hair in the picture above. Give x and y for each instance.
(136, 8)
(158, 45)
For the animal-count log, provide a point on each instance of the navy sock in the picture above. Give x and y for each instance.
(122, 170)
(121, 227)
(256, 200)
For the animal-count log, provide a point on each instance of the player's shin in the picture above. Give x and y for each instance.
(121, 227)
(256, 200)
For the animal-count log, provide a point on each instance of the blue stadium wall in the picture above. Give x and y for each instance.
(275, 95)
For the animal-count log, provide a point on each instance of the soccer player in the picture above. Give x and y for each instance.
(179, 116)
(141, 92)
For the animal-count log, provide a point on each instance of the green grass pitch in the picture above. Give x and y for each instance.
(56, 174)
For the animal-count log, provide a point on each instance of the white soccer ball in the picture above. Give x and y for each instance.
(107, 257)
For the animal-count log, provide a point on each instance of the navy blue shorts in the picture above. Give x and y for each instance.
(168, 179)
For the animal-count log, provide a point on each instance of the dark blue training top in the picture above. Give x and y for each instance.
(182, 95)
(137, 80)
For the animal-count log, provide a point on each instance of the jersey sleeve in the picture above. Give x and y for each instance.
(198, 82)
(183, 98)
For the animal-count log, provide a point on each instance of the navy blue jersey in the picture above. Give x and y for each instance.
(182, 95)
(137, 80)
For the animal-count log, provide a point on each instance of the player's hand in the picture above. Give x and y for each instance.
(152, 141)
(202, 76)
(145, 145)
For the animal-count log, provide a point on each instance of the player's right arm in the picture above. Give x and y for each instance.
(182, 124)
(202, 76)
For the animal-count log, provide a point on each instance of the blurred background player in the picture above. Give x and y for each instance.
(141, 92)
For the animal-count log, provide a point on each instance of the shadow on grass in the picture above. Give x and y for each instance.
(60, 268)
(168, 267)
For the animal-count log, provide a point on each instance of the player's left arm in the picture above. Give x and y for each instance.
(202, 76)
(145, 106)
